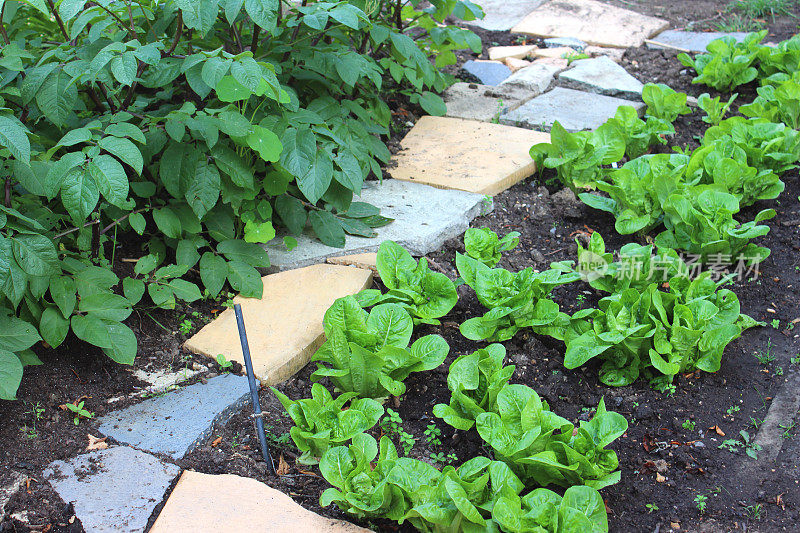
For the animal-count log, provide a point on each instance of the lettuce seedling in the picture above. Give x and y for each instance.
(484, 245)
(474, 381)
(714, 109)
(424, 294)
(320, 422)
(544, 448)
(663, 102)
(368, 353)
(777, 103)
(515, 300)
(728, 63)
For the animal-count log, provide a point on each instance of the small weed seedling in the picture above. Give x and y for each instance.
(443, 459)
(651, 507)
(37, 413)
(688, 424)
(392, 424)
(779, 371)
(432, 434)
(700, 502)
(79, 412)
(733, 409)
(223, 363)
(755, 422)
(766, 357)
(278, 440)
(795, 360)
(788, 429)
(186, 326)
(776, 323)
(749, 447)
(754, 511)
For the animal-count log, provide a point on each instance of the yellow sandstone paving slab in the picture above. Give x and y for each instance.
(500, 53)
(590, 21)
(453, 153)
(284, 328)
(233, 504)
(366, 261)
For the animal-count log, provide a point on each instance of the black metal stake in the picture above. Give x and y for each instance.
(251, 379)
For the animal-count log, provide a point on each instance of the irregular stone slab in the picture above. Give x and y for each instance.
(367, 261)
(500, 53)
(234, 504)
(113, 490)
(284, 328)
(9, 490)
(515, 64)
(482, 102)
(602, 76)
(479, 157)
(692, 41)
(502, 15)
(160, 382)
(558, 42)
(590, 21)
(562, 52)
(425, 218)
(614, 53)
(487, 72)
(535, 78)
(174, 423)
(575, 110)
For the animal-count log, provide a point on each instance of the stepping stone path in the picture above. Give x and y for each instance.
(502, 15)
(692, 41)
(575, 110)
(590, 21)
(113, 490)
(425, 218)
(204, 502)
(284, 328)
(472, 101)
(601, 75)
(173, 424)
(461, 154)
(487, 72)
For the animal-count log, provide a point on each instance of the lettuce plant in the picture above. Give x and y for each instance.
(783, 58)
(767, 145)
(728, 63)
(714, 109)
(368, 353)
(484, 245)
(474, 381)
(663, 102)
(370, 481)
(424, 294)
(640, 328)
(776, 103)
(320, 422)
(544, 448)
(515, 300)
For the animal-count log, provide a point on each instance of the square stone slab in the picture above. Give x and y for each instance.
(487, 72)
(367, 261)
(575, 110)
(502, 15)
(176, 422)
(691, 41)
(590, 21)
(452, 153)
(284, 328)
(113, 490)
(424, 218)
(472, 101)
(602, 75)
(233, 504)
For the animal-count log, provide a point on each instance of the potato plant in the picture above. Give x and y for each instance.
(192, 130)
